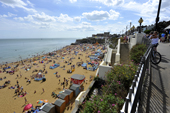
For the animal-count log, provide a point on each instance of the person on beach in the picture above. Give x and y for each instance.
(34, 91)
(17, 82)
(25, 100)
(43, 90)
(21, 88)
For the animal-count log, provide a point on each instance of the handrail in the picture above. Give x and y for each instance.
(132, 100)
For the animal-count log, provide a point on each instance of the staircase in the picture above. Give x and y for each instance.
(124, 54)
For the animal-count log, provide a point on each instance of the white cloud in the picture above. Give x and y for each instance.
(148, 10)
(3, 16)
(99, 7)
(84, 26)
(29, 3)
(29, 18)
(19, 18)
(43, 17)
(72, 1)
(110, 2)
(57, 1)
(17, 3)
(101, 15)
(64, 18)
(113, 15)
(77, 19)
(96, 15)
(8, 15)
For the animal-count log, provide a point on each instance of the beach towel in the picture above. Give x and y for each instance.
(22, 95)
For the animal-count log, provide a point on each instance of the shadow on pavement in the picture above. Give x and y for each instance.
(158, 100)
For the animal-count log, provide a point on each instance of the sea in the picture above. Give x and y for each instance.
(12, 50)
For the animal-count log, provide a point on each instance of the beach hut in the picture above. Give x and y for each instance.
(49, 108)
(75, 89)
(64, 96)
(77, 79)
(70, 93)
(60, 105)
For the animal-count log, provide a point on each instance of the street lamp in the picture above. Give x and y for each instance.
(157, 18)
(140, 22)
(130, 27)
(133, 28)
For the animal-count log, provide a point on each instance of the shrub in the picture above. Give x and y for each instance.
(114, 91)
(121, 39)
(136, 52)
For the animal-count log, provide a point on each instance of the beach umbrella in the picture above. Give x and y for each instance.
(28, 106)
(39, 101)
(45, 101)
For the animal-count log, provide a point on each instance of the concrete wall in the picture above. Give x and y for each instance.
(136, 40)
(139, 37)
(132, 42)
(103, 69)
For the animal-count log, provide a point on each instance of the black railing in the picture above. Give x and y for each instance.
(133, 98)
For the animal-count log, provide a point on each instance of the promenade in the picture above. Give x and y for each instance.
(156, 98)
(160, 82)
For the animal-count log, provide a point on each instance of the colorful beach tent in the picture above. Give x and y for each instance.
(27, 107)
(84, 64)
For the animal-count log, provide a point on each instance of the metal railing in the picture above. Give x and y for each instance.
(133, 98)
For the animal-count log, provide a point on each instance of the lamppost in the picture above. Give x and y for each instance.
(157, 18)
(133, 28)
(130, 27)
(126, 29)
(140, 22)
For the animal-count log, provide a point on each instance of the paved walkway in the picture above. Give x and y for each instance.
(160, 82)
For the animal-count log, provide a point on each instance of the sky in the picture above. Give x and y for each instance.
(75, 18)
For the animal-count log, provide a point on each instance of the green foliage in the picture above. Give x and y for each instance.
(108, 103)
(136, 52)
(115, 90)
(98, 79)
(121, 39)
(111, 46)
(147, 31)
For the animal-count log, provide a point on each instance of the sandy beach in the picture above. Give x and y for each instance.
(10, 102)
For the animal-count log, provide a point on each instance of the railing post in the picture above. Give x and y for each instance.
(133, 85)
(130, 93)
(127, 104)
